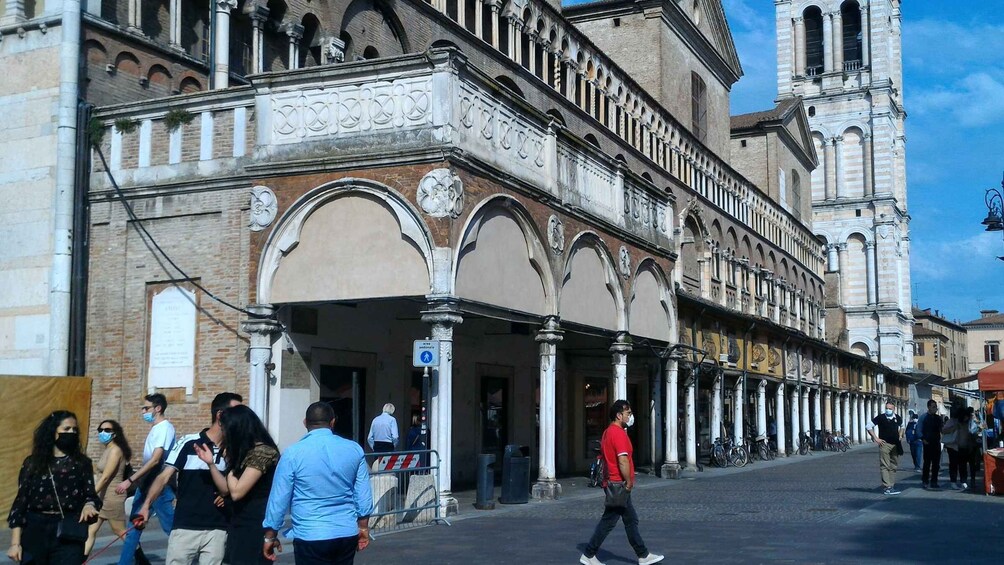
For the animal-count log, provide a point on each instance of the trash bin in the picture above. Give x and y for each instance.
(486, 482)
(515, 475)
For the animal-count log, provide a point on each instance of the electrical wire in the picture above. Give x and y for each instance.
(141, 229)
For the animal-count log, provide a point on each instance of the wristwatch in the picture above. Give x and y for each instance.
(271, 540)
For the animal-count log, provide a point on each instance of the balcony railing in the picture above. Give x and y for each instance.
(851, 66)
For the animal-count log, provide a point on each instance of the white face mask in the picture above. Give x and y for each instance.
(630, 420)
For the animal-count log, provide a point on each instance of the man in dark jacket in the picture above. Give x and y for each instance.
(930, 434)
(916, 445)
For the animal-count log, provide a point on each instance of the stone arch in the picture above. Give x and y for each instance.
(591, 292)
(501, 259)
(818, 175)
(856, 270)
(511, 85)
(128, 64)
(860, 347)
(95, 53)
(310, 43)
(651, 313)
(692, 250)
(189, 85)
(159, 79)
(814, 40)
(373, 24)
(852, 150)
(356, 238)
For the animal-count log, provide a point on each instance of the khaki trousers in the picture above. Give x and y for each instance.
(888, 462)
(205, 547)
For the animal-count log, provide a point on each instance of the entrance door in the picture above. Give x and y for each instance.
(344, 388)
(494, 407)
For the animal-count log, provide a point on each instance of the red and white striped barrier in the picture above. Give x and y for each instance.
(397, 462)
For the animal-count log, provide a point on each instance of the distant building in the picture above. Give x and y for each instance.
(940, 346)
(985, 336)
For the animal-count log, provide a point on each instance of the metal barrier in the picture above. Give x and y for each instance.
(405, 488)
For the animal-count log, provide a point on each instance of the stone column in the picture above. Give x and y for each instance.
(761, 408)
(671, 468)
(829, 172)
(495, 8)
(779, 418)
(844, 273)
(716, 407)
(838, 411)
(738, 404)
(221, 47)
(258, 18)
(295, 33)
(174, 32)
(620, 349)
(546, 487)
(14, 13)
(838, 41)
(796, 420)
(853, 401)
(531, 65)
(838, 168)
(443, 316)
(478, 20)
(828, 419)
(867, 161)
(799, 46)
(806, 420)
(832, 261)
(866, 32)
(870, 270)
(262, 329)
(845, 418)
(828, 43)
(515, 39)
(135, 24)
(691, 415)
(817, 420)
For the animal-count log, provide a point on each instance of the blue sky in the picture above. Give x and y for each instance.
(953, 64)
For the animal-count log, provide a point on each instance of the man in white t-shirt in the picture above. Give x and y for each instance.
(158, 444)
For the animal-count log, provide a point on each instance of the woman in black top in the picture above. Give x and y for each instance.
(251, 457)
(56, 479)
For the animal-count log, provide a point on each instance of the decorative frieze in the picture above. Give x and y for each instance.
(441, 194)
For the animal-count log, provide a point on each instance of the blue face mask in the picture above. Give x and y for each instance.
(888, 413)
(148, 417)
(104, 437)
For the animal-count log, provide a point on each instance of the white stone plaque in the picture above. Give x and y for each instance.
(172, 340)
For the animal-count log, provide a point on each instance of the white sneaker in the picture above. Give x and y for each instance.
(965, 486)
(651, 558)
(589, 560)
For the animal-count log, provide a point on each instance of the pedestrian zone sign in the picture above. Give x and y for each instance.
(425, 353)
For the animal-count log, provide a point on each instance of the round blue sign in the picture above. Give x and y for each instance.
(426, 357)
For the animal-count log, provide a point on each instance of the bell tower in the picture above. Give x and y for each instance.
(844, 58)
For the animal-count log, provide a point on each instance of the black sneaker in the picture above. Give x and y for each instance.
(890, 491)
(935, 486)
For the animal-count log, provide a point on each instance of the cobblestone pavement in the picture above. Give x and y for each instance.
(824, 508)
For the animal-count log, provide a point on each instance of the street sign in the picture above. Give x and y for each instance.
(425, 353)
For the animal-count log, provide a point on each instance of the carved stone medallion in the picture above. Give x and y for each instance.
(556, 234)
(624, 262)
(441, 194)
(263, 207)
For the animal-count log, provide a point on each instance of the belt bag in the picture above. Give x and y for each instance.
(69, 528)
(616, 495)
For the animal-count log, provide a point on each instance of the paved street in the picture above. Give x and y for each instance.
(825, 508)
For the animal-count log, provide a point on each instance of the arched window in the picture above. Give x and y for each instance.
(850, 15)
(154, 18)
(276, 41)
(195, 28)
(795, 194)
(370, 52)
(698, 106)
(241, 38)
(510, 84)
(310, 44)
(813, 40)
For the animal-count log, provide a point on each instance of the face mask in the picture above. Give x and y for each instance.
(888, 412)
(148, 417)
(104, 437)
(67, 442)
(630, 421)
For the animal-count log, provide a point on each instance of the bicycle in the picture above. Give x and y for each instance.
(805, 444)
(596, 467)
(841, 442)
(739, 456)
(762, 448)
(829, 441)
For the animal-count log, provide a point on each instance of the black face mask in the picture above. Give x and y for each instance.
(68, 443)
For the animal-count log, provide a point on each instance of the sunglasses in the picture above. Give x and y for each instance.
(109, 430)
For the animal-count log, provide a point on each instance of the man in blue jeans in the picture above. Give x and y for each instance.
(158, 444)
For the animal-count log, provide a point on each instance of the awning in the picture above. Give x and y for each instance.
(991, 377)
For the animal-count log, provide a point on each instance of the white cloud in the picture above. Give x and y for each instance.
(937, 47)
(973, 257)
(977, 100)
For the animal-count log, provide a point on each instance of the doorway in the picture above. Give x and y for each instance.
(495, 410)
(344, 388)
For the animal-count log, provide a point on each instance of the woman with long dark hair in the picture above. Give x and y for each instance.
(56, 481)
(251, 457)
(111, 469)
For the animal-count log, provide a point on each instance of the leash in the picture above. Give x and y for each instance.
(105, 548)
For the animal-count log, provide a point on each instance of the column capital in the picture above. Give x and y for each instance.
(259, 15)
(550, 332)
(442, 314)
(263, 322)
(621, 343)
(842, 246)
(294, 31)
(838, 139)
(869, 245)
(798, 20)
(225, 5)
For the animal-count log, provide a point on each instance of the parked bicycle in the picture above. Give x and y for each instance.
(762, 448)
(841, 442)
(724, 453)
(596, 468)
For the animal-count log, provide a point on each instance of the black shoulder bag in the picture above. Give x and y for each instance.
(70, 528)
(615, 493)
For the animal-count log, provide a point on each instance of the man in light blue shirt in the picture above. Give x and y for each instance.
(383, 431)
(325, 483)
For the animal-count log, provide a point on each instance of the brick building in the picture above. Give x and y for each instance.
(481, 173)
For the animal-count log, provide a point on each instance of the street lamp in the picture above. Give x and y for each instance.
(995, 205)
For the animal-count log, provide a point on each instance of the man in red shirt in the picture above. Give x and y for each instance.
(617, 453)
